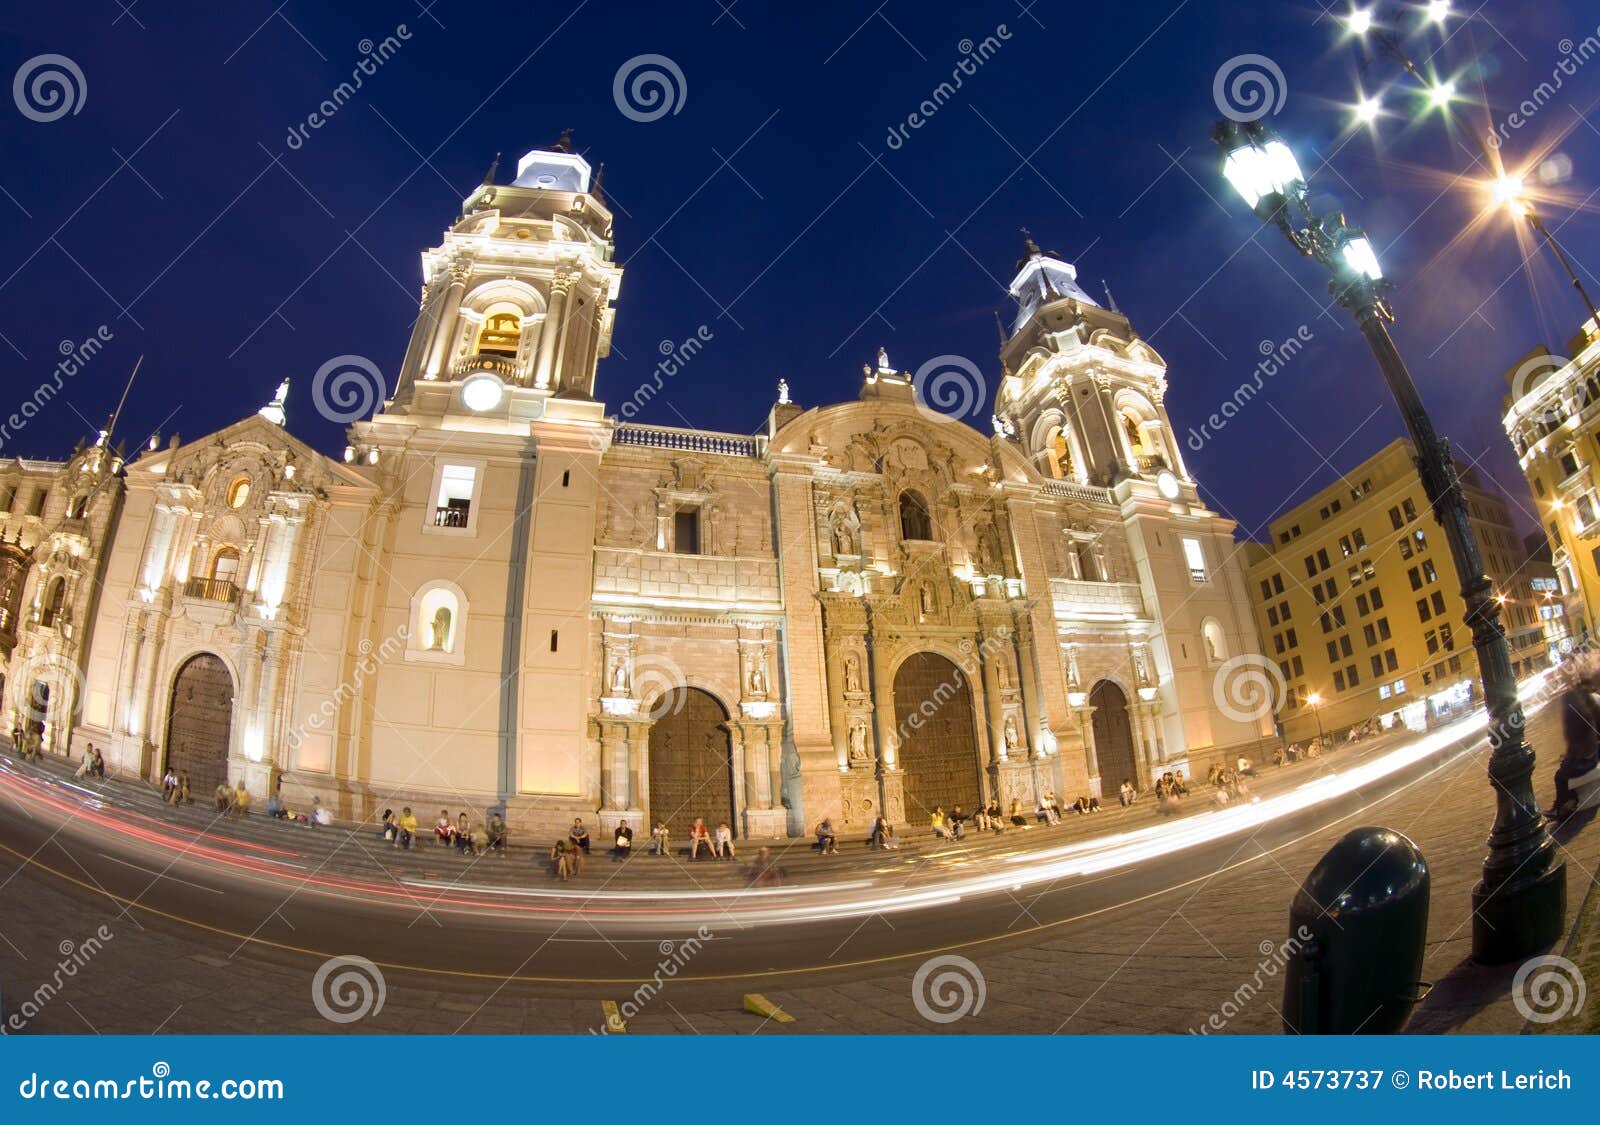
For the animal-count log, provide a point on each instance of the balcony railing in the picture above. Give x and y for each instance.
(1151, 463)
(450, 517)
(1068, 490)
(500, 365)
(692, 441)
(211, 590)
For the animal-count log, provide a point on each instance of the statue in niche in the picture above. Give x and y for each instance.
(844, 540)
(1012, 738)
(439, 630)
(988, 561)
(852, 673)
(758, 677)
(1002, 673)
(619, 678)
(927, 599)
(858, 742)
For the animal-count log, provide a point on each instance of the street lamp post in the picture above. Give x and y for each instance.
(1519, 906)
(1315, 699)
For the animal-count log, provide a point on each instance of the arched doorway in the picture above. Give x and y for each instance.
(691, 767)
(1113, 737)
(938, 755)
(200, 722)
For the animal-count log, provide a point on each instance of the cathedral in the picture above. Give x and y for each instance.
(503, 595)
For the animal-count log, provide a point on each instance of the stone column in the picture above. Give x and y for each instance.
(1091, 756)
(1033, 712)
(554, 314)
(444, 329)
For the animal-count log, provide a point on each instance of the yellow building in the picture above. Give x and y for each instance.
(1359, 603)
(1553, 418)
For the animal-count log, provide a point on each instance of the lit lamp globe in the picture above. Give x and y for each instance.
(482, 392)
(1167, 484)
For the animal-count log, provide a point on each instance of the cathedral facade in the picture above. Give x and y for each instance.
(503, 596)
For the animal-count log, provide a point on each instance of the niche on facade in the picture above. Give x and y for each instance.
(437, 630)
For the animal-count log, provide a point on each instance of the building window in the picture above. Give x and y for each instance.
(915, 522)
(1338, 681)
(1195, 558)
(686, 531)
(37, 508)
(238, 492)
(1377, 598)
(1293, 640)
(455, 495)
(54, 597)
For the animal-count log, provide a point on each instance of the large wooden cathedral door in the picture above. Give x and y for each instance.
(200, 723)
(938, 739)
(691, 767)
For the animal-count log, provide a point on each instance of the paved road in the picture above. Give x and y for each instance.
(216, 943)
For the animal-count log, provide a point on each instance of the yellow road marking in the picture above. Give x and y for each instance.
(615, 1024)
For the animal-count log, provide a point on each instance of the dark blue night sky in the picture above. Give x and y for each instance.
(771, 207)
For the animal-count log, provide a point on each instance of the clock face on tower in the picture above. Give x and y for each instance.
(1167, 484)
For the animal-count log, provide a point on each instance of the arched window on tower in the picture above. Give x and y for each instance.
(55, 596)
(79, 507)
(501, 334)
(238, 491)
(914, 520)
(1216, 644)
(438, 623)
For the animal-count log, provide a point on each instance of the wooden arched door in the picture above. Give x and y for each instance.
(938, 740)
(200, 723)
(1113, 738)
(691, 766)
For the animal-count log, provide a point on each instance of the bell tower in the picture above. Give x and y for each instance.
(1082, 391)
(517, 300)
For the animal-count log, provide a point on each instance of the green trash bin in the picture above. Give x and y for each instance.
(1358, 926)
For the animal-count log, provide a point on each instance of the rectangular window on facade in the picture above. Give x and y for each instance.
(1277, 583)
(1369, 634)
(1377, 665)
(1362, 607)
(1326, 623)
(1405, 548)
(1392, 662)
(1345, 547)
(1377, 598)
(1338, 615)
(1383, 629)
(1283, 611)
(1410, 510)
(1277, 640)
(1344, 645)
(1299, 668)
(1432, 637)
(1272, 615)
(1437, 600)
(1446, 640)
(1311, 566)
(1195, 558)
(1338, 681)
(1416, 578)
(1322, 558)
(1333, 650)
(1266, 588)
(686, 531)
(1422, 609)
(1351, 676)
(452, 507)
(1292, 639)
(1368, 570)
(1428, 572)
(1360, 540)
(1394, 518)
